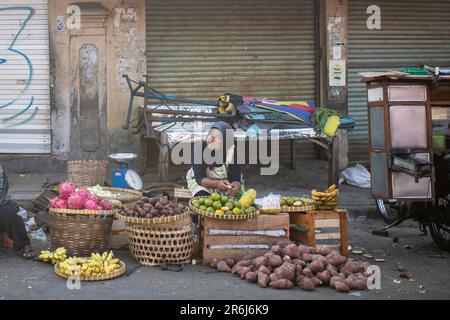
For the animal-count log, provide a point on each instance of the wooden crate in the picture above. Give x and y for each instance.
(260, 223)
(332, 224)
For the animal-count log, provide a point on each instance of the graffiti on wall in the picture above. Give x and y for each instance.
(11, 52)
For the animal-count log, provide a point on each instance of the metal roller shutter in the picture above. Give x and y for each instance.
(201, 49)
(24, 77)
(412, 32)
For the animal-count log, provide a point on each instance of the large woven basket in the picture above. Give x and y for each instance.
(155, 242)
(85, 173)
(80, 233)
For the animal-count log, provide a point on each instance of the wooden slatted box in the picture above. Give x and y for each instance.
(261, 223)
(321, 228)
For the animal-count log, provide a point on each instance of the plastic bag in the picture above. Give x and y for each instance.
(30, 224)
(22, 213)
(356, 176)
(38, 235)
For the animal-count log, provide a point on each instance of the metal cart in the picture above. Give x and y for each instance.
(409, 145)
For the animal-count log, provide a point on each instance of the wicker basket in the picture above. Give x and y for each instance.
(80, 233)
(168, 188)
(87, 173)
(153, 243)
(101, 277)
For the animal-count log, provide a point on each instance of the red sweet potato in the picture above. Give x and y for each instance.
(230, 262)
(316, 266)
(307, 272)
(276, 250)
(275, 261)
(273, 277)
(223, 267)
(316, 281)
(286, 271)
(282, 284)
(261, 261)
(341, 286)
(251, 277)
(291, 250)
(263, 279)
(355, 284)
(307, 257)
(324, 276)
(264, 269)
(306, 284)
(336, 259)
(333, 281)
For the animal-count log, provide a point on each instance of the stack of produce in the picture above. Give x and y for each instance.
(155, 207)
(287, 264)
(54, 257)
(71, 198)
(86, 267)
(296, 202)
(328, 199)
(224, 204)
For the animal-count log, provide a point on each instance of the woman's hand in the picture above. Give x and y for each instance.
(235, 188)
(223, 185)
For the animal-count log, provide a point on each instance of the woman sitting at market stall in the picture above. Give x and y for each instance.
(224, 174)
(11, 223)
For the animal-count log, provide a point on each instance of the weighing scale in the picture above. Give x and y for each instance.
(123, 177)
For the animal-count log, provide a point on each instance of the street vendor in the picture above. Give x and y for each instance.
(11, 223)
(223, 174)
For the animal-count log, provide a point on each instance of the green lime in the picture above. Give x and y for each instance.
(252, 209)
(208, 202)
(290, 202)
(203, 208)
(237, 204)
(230, 205)
(215, 197)
(217, 205)
(248, 211)
(283, 202)
(236, 211)
(210, 210)
(224, 199)
(201, 201)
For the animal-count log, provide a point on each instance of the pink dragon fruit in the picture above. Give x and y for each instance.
(84, 194)
(106, 205)
(90, 205)
(61, 204)
(53, 202)
(66, 189)
(75, 202)
(93, 198)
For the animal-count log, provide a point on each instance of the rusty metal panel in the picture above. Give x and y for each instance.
(412, 32)
(25, 121)
(203, 48)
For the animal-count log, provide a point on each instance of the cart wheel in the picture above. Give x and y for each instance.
(440, 225)
(391, 211)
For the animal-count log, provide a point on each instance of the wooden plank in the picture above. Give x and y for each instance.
(261, 222)
(325, 214)
(182, 193)
(344, 233)
(328, 223)
(328, 236)
(237, 240)
(210, 255)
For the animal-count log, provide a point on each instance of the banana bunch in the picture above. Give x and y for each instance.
(328, 199)
(59, 255)
(94, 265)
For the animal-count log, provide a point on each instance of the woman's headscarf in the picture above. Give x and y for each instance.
(223, 127)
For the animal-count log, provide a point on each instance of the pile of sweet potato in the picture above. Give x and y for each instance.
(287, 265)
